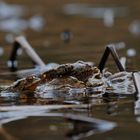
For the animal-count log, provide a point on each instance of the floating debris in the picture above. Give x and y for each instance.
(66, 35)
(131, 52)
(108, 14)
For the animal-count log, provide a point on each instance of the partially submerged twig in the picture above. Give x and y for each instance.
(136, 79)
(110, 49)
(22, 42)
(123, 62)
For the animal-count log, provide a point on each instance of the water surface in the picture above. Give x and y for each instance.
(43, 23)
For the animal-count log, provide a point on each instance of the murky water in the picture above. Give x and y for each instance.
(90, 26)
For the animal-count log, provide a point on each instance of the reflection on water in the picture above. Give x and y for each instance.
(90, 36)
(10, 11)
(17, 25)
(114, 107)
(47, 124)
(108, 14)
(120, 45)
(12, 20)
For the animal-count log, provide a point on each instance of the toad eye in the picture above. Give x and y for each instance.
(43, 76)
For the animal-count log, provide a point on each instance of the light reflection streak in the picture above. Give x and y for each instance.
(92, 125)
(108, 14)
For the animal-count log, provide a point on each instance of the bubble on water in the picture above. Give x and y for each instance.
(131, 52)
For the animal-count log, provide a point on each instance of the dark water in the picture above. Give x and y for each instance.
(92, 25)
